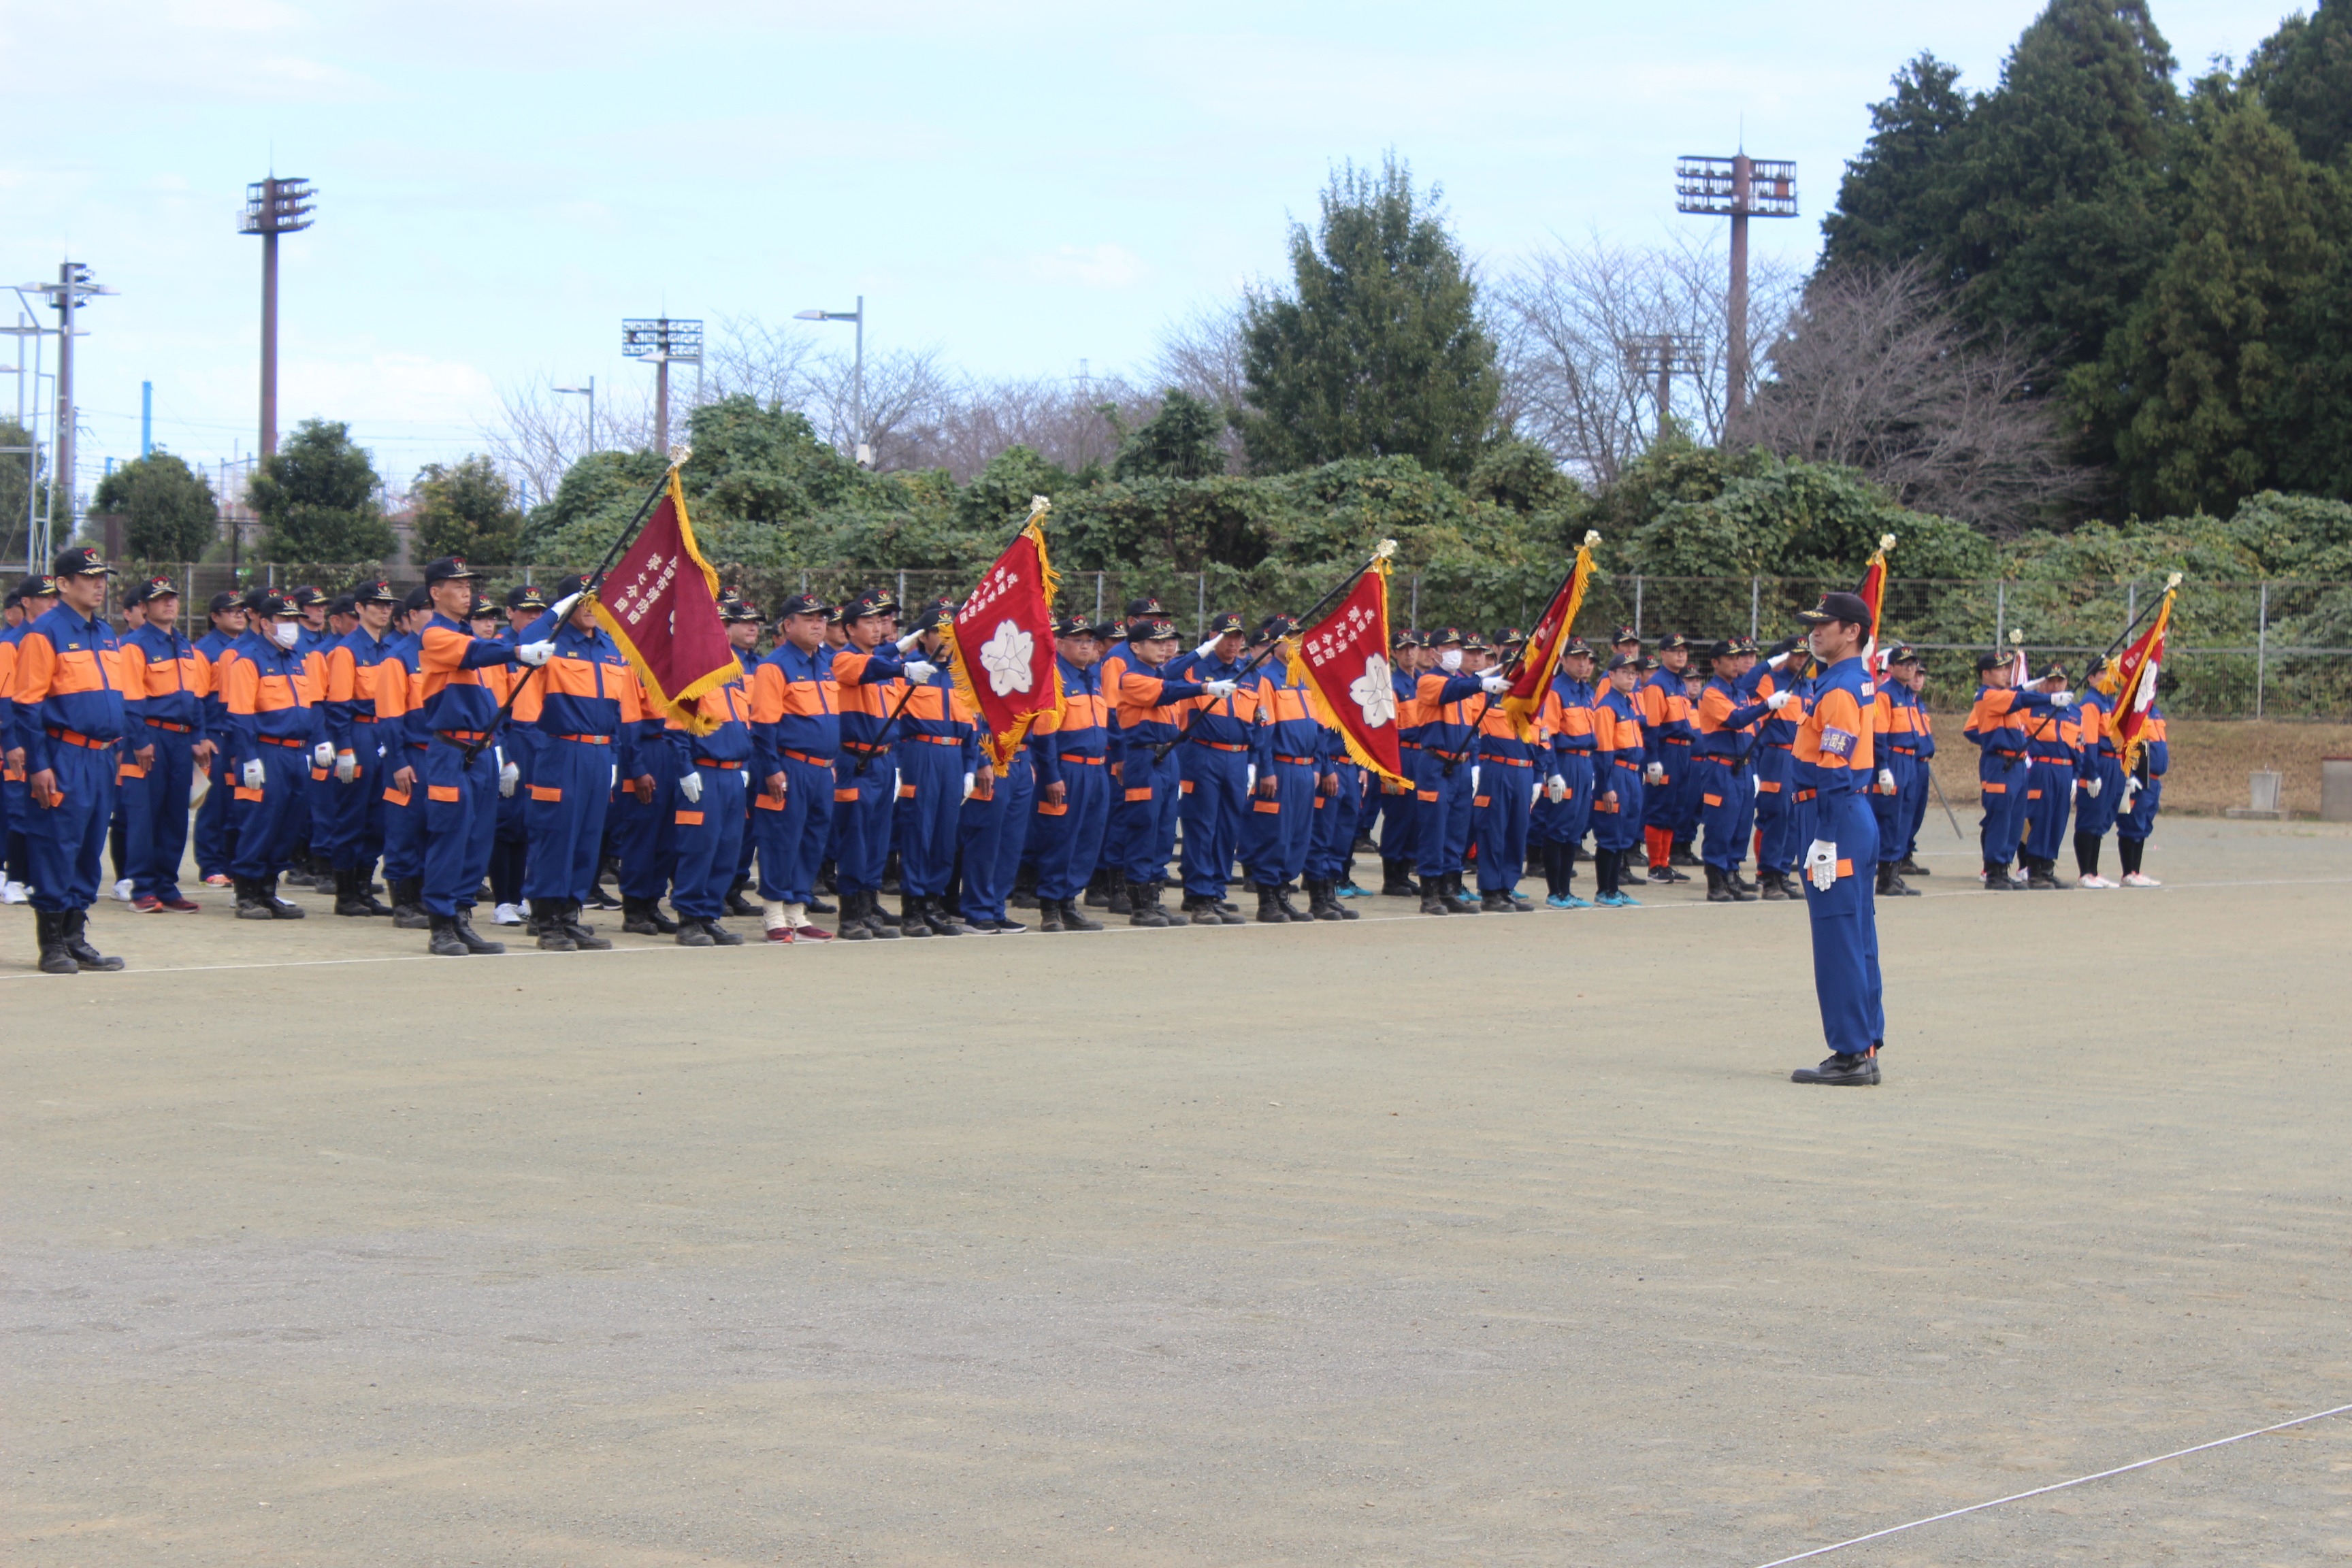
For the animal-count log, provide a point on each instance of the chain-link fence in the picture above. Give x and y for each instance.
(2253, 649)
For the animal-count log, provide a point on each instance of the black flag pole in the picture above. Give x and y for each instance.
(645, 508)
(2171, 585)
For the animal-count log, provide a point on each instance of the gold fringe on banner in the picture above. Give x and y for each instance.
(999, 748)
(1299, 673)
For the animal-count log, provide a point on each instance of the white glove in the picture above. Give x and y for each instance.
(1253, 775)
(2131, 788)
(1534, 793)
(1886, 781)
(561, 609)
(2094, 788)
(907, 644)
(199, 786)
(746, 777)
(616, 777)
(252, 772)
(322, 755)
(1654, 774)
(509, 775)
(970, 785)
(690, 786)
(921, 671)
(535, 653)
(1206, 648)
(1556, 787)
(1778, 700)
(2061, 698)
(1474, 778)
(1494, 685)
(1820, 864)
(1777, 659)
(347, 768)
(1220, 690)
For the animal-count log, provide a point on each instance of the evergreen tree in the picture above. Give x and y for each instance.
(467, 509)
(2304, 74)
(167, 508)
(1894, 203)
(317, 495)
(1180, 442)
(1377, 351)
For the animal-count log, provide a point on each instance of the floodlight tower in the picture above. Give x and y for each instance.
(1739, 187)
(662, 339)
(73, 285)
(273, 207)
(1663, 356)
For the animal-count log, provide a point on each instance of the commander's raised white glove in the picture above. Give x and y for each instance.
(346, 767)
(1654, 774)
(921, 671)
(1206, 648)
(1820, 864)
(2061, 698)
(561, 609)
(322, 755)
(690, 786)
(1220, 690)
(970, 785)
(1494, 685)
(907, 644)
(535, 653)
(1778, 699)
(1886, 781)
(1556, 787)
(252, 772)
(2093, 786)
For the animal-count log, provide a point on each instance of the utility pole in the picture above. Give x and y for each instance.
(72, 286)
(272, 207)
(1739, 187)
(662, 339)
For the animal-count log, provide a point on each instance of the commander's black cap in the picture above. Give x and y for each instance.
(1673, 641)
(447, 569)
(1405, 636)
(1509, 636)
(1443, 636)
(376, 592)
(1725, 647)
(1847, 607)
(933, 617)
(253, 597)
(1224, 622)
(305, 597)
(153, 588)
(1625, 634)
(873, 602)
(1074, 626)
(1990, 661)
(482, 606)
(1902, 653)
(221, 604)
(1274, 625)
(738, 610)
(2054, 670)
(800, 605)
(1152, 629)
(575, 583)
(263, 602)
(1473, 643)
(1624, 661)
(524, 597)
(81, 561)
(1144, 607)
(1576, 645)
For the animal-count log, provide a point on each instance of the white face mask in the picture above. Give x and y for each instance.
(283, 633)
(1449, 659)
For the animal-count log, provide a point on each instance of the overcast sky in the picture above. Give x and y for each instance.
(1023, 185)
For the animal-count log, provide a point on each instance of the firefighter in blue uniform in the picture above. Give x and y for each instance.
(1215, 771)
(1724, 724)
(405, 742)
(1290, 758)
(362, 742)
(2052, 747)
(1834, 761)
(2143, 795)
(991, 831)
(1398, 806)
(1781, 671)
(1451, 703)
(938, 763)
(1072, 758)
(1895, 745)
(1564, 814)
(869, 671)
(1997, 723)
(2098, 784)
(171, 710)
(226, 619)
(460, 777)
(1667, 737)
(27, 603)
(67, 706)
(713, 780)
(744, 624)
(1150, 704)
(1108, 887)
(272, 720)
(796, 731)
(576, 723)
(1923, 739)
(1619, 766)
(1339, 808)
(1504, 787)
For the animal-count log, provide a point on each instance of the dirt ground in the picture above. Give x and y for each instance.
(2210, 759)
(1493, 1240)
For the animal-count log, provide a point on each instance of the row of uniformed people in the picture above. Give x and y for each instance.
(2045, 756)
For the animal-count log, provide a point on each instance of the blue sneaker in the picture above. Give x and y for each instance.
(1347, 889)
(1618, 901)
(1565, 902)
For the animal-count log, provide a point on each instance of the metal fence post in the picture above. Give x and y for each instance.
(902, 587)
(1999, 613)
(1201, 594)
(1637, 604)
(2262, 645)
(2131, 604)
(1414, 614)
(1098, 586)
(1755, 607)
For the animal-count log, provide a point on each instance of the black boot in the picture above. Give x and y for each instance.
(890, 873)
(1743, 891)
(1025, 889)
(826, 881)
(1143, 905)
(279, 909)
(1396, 880)
(1269, 911)
(351, 897)
(853, 921)
(444, 941)
(552, 937)
(870, 903)
(1075, 919)
(1497, 902)
(76, 927)
(583, 937)
(2043, 875)
(462, 923)
(1464, 903)
(1717, 893)
(941, 923)
(1682, 856)
(1097, 894)
(51, 935)
(737, 904)
(1120, 897)
(250, 903)
(1908, 867)
(408, 904)
(1841, 1070)
(1891, 884)
(642, 917)
(719, 933)
(1433, 900)
(1770, 888)
(1282, 894)
(1049, 914)
(910, 916)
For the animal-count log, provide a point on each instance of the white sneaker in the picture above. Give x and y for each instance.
(2021, 877)
(13, 893)
(2091, 880)
(123, 891)
(2137, 879)
(507, 915)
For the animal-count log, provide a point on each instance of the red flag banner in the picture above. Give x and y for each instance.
(1872, 592)
(2131, 681)
(660, 602)
(1344, 660)
(1540, 659)
(1001, 644)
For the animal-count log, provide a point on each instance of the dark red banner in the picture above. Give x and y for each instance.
(1345, 657)
(660, 602)
(1001, 643)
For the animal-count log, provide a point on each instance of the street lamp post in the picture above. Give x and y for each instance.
(858, 449)
(589, 392)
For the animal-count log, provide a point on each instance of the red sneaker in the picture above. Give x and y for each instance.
(180, 906)
(813, 933)
(147, 904)
(779, 933)
(216, 879)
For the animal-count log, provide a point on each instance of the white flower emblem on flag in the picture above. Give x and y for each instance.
(1375, 693)
(2147, 693)
(1005, 655)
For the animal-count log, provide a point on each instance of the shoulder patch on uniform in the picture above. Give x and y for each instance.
(1869, 689)
(1837, 742)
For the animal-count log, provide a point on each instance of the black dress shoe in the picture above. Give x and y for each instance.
(1860, 1070)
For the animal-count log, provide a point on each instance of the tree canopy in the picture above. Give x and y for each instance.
(467, 509)
(168, 510)
(317, 494)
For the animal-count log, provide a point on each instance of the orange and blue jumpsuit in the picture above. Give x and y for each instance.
(213, 850)
(1835, 761)
(1221, 745)
(937, 745)
(1072, 751)
(1728, 713)
(272, 717)
(1667, 739)
(1509, 754)
(1116, 661)
(1281, 820)
(12, 777)
(401, 723)
(315, 809)
(1398, 805)
(1898, 743)
(1776, 768)
(865, 793)
(1149, 705)
(461, 680)
(2099, 760)
(1449, 709)
(1915, 804)
(67, 704)
(351, 837)
(1331, 846)
(796, 731)
(174, 682)
(2133, 824)
(710, 830)
(1997, 725)
(1566, 717)
(2052, 745)
(1620, 752)
(578, 718)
